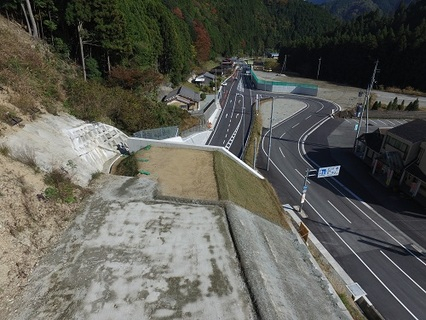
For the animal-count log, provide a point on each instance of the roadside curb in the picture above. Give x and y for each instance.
(351, 287)
(295, 222)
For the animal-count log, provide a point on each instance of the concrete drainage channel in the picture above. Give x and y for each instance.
(339, 279)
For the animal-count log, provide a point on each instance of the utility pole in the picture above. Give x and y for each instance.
(319, 67)
(284, 63)
(370, 87)
(270, 135)
(365, 104)
(244, 131)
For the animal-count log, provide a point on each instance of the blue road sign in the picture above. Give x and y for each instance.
(328, 172)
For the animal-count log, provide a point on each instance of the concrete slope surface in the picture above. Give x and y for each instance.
(279, 271)
(129, 256)
(66, 142)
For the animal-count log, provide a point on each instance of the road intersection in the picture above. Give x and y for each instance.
(378, 248)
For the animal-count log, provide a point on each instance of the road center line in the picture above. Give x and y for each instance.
(345, 243)
(301, 146)
(283, 135)
(308, 117)
(295, 125)
(338, 211)
(424, 291)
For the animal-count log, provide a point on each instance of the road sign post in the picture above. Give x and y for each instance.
(324, 172)
(309, 173)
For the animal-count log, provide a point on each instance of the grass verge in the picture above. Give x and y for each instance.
(236, 184)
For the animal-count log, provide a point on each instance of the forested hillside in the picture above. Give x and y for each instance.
(349, 52)
(124, 41)
(349, 9)
(169, 36)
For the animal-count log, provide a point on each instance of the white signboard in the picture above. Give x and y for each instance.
(328, 172)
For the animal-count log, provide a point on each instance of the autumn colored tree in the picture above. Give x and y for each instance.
(202, 41)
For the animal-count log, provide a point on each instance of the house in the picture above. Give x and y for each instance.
(273, 55)
(370, 144)
(227, 64)
(414, 176)
(401, 157)
(184, 98)
(205, 78)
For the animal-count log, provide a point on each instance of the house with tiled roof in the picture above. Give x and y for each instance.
(205, 78)
(184, 98)
(402, 157)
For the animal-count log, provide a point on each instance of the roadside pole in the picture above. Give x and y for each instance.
(323, 172)
(308, 173)
(270, 135)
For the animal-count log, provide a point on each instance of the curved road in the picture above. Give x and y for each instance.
(382, 259)
(231, 130)
(386, 263)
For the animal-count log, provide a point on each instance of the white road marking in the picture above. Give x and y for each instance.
(363, 262)
(295, 125)
(373, 122)
(338, 211)
(424, 291)
(308, 117)
(382, 122)
(281, 152)
(226, 116)
(322, 107)
(223, 141)
(283, 135)
(301, 144)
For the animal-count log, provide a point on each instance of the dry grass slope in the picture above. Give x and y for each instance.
(246, 190)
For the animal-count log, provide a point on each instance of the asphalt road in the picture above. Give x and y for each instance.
(348, 214)
(375, 236)
(232, 127)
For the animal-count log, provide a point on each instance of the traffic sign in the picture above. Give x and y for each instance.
(328, 172)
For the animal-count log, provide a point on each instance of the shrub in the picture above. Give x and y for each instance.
(4, 150)
(27, 157)
(60, 186)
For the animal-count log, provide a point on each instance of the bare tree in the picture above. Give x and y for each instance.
(26, 19)
(32, 19)
(80, 38)
(31, 23)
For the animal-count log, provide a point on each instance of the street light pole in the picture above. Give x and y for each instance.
(270, 135)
